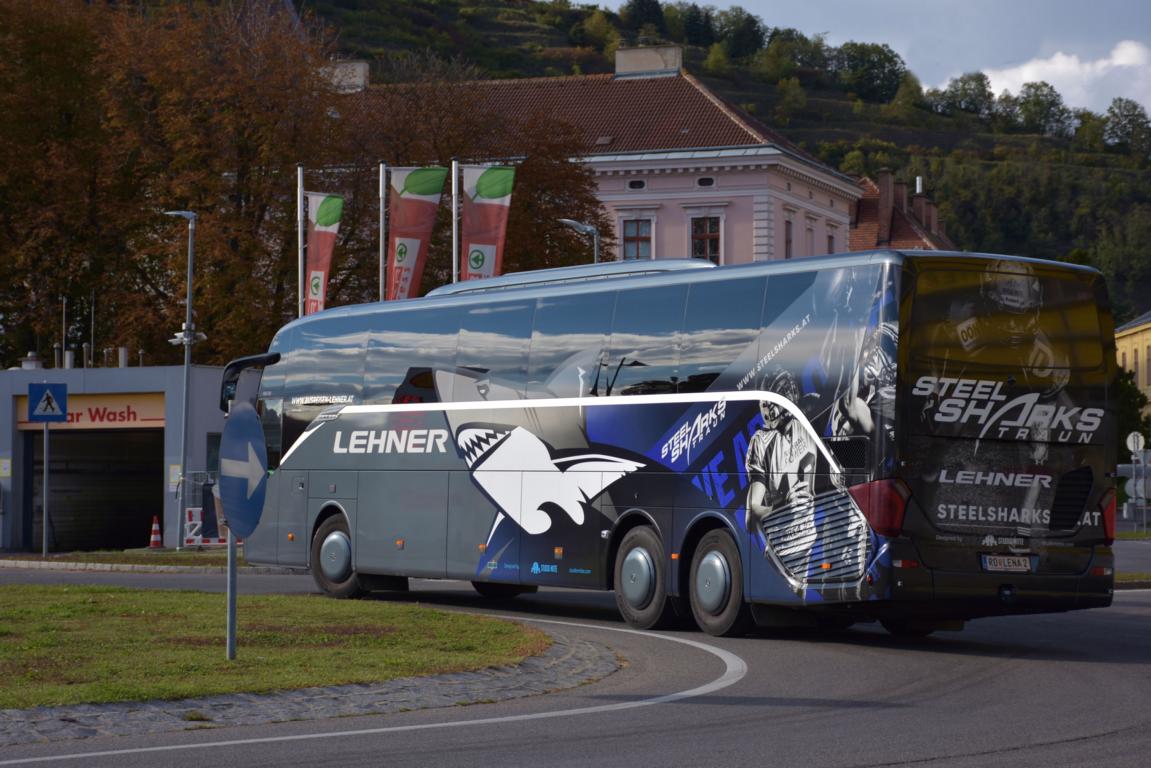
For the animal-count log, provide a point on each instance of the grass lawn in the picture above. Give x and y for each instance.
(1133, 535)
(75, 644)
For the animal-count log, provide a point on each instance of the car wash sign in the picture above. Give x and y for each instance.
(47, 403)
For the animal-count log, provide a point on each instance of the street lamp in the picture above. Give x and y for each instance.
(187, 336)
(585, 229)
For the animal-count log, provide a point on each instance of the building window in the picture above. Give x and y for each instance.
(787, 240)
(831, 242)
(637, 184)
(705, 238)
(1135, 364)
(810, 241)
(705, 181)
(637, 239)
(1123, 365)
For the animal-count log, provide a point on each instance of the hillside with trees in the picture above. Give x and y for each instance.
(99, 140)
(1012, 172)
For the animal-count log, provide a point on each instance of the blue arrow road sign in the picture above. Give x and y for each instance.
(47, 402)
(243, 469)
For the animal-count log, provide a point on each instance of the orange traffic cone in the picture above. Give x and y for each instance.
(156, 542)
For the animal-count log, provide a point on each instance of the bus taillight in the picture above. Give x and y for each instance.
(883, 503)
(1107, 507)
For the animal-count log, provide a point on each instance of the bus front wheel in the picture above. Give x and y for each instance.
(332, 560)
(717, 587)
(641, 580)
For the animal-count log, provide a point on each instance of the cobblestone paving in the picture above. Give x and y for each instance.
(568, 663)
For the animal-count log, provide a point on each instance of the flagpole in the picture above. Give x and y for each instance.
(455, 220)
(383, 231)
(300, 238)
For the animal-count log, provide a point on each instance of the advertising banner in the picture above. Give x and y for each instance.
(487, 197)
(323, 223)
(414, 199)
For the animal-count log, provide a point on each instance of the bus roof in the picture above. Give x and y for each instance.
(561, 281)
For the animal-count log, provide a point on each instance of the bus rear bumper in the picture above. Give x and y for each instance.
(936, 593)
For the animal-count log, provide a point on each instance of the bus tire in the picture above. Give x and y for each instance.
(716, 584)
(332, 560)
(494, 590)
(641, 580)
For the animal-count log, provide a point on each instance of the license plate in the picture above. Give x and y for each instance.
(1007, 563)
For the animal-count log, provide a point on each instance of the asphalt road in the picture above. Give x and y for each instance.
(1070, 689)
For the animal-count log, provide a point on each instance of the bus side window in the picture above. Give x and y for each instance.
(644, 354)
(493, 346)
(326, 363)
(568, 345)
(405, 348)
(721, 327)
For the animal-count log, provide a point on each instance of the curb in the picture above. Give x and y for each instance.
(45, 565)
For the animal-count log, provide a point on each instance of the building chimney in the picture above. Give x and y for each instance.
(122, 357)
(901, 195)
(69, 358)
(931, 216)
(649, 61)
(919, 208)
(886, 194)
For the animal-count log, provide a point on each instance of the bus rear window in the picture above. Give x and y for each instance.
(1011, 314)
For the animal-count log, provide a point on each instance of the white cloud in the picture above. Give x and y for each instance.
(1125, 71)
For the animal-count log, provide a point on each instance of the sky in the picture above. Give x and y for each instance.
(1090, 51)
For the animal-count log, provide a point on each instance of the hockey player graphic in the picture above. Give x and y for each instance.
(781, 459)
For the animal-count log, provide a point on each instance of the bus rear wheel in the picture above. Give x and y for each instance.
(641, 580)
(717, 587)
(494, 590)
(332, 560)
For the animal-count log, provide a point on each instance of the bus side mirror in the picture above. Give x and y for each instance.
(233, 370)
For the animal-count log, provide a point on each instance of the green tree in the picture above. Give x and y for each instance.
(791, 99)
(1005, 115)
(741, 31)
(970, 93)
(717, 62)
(1090, 130)
(869, 70)
(908, 102)
(637, 13)
(1128, 127)
(698, 26)
(1041, 110)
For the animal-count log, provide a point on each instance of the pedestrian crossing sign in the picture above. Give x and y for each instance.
(47, 402)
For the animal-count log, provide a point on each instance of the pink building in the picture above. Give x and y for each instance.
(684, 173)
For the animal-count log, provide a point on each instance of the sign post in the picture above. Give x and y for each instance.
(46, 403)
(243, 473)
(1135, 443)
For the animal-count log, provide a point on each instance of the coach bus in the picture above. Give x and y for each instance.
(914, 438)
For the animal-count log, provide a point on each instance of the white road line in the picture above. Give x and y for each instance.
(735, 669)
